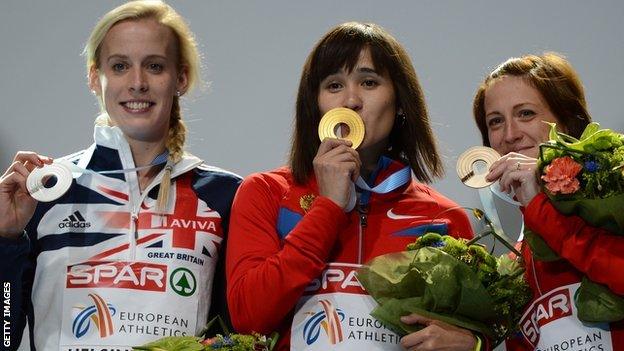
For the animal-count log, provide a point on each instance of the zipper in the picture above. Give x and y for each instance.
(134, 216)
(134, 228)
(134, 222)
(136, 207)
(363, 215)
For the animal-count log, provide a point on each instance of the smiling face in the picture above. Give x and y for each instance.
(514, 115)
(138, 77)
(368, 92)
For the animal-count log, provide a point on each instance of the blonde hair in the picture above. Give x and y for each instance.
(188, 58)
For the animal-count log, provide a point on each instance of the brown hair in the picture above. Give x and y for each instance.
(411, 139)
(553, 76)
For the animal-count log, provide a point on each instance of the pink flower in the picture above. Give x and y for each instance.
(560, 175)
(210, 341)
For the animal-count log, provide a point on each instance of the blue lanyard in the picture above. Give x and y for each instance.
(394, 181)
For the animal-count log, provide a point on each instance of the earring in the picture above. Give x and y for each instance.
(178, 93)
(401, 118)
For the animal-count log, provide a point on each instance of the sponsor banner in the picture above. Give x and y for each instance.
(117, 305)
(334, 314)
(337, 277)
(551, 324)
(117, 274)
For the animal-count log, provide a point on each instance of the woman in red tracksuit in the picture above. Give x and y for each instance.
(294, 242)
(509, 108)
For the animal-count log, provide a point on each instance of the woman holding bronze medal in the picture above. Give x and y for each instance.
(299, 233)
(104, 264)
(510, 108)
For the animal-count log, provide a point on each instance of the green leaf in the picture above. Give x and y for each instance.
(539, 249)
(591, 139)
(591, 128)
(427, 280)
(390, 312)
(597, 304)
(392, 275)
(508, 266)
(552, 133)
(173, 343)
(607, 213)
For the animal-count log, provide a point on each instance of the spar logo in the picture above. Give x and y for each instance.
(337, 278)
(547, 309)
(99, 315)
(118, 274)
(183, 282)
(329, 319)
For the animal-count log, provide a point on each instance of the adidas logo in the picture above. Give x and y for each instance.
(75, 220)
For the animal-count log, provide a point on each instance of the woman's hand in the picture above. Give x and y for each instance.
(336, 165)
(16, 204)
(436, 335)
(518, 172)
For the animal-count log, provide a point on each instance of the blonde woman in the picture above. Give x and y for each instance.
(128, 254)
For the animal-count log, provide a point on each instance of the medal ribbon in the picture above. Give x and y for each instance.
(394, 181)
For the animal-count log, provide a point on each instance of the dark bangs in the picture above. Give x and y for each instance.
(342, 48)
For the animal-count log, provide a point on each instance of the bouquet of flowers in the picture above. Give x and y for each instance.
(227, 342)
(585, 177)
(452, 280)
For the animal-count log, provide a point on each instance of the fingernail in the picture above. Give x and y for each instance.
(404, 319)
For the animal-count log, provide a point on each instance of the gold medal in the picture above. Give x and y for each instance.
(334, 117)
(466, 164)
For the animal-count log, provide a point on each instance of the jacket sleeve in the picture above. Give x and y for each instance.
(267, 276)
(14, 268)
(593, 251)
(217, 189)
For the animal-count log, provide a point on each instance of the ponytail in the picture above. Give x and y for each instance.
(175, 145)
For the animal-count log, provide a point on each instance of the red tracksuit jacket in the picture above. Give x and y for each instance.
(550, 322)
(283, 235)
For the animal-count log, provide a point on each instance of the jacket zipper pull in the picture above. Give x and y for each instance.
(135, 222)
(363, 212)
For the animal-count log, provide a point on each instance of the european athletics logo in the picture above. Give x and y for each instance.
(329, 319)
(100, 313)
